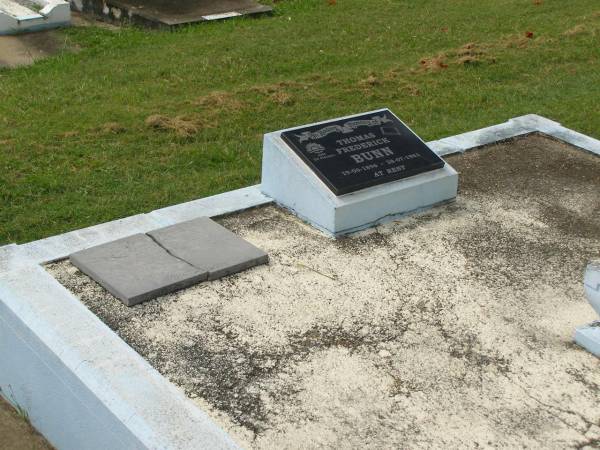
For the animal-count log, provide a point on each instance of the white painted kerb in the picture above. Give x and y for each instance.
(82, 386)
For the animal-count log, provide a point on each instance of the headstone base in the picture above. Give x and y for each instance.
(288, 181)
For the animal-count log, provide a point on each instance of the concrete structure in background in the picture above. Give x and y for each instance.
(160, 13)
(21, 16)
(205, 244)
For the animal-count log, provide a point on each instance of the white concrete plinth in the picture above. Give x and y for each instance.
(588, 337)
(591, 283)
(293, 185)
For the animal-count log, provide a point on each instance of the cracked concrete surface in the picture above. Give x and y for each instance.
(449, 329)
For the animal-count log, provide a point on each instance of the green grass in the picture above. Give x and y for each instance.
(59, 170)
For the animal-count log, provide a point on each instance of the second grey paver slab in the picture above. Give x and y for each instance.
(207, 245)
(136, 269)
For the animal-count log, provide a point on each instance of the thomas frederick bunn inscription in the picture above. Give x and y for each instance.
(363, 151)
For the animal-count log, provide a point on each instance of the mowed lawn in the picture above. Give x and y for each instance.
(135, 120)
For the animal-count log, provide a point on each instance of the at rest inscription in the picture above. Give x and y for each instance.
(362, 151)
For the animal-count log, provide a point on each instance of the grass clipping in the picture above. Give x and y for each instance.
(181, 125)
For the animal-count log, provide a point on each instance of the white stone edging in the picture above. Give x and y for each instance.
(84, 387)
(16, 18)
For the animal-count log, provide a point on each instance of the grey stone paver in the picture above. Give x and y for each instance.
(136, 269)
(207, 245)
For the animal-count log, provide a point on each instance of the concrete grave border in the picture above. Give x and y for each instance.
(84, 387)
(16, 18)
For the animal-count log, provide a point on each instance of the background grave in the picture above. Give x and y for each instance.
(166, 13)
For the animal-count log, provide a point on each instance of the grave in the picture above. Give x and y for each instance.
(20, 16)
(168, 13)
(144, 266)
(405, 333)
(351, 173)
(135, 269)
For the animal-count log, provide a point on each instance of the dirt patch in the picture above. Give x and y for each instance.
(183, 126)
(371, 80)
(474, 53)
(89, 20)
(471, 53)
(112, 128)
(520, 40)
(269, 89)
(16, 433)
(68, 134)
(25, 49)
(468, 54)
(435, 63)
(279, 93)
(452, 328)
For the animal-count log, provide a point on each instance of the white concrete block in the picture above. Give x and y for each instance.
(18, 18)
(57, 12)
(292, 184)
(591, 284)
(588, 336)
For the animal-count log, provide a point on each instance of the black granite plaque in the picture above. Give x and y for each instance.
(362, 151)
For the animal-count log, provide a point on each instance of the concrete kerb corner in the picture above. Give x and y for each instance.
(80, 384)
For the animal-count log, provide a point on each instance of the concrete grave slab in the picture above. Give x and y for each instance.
(26, 48)
(207, 245)
(136, 269)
